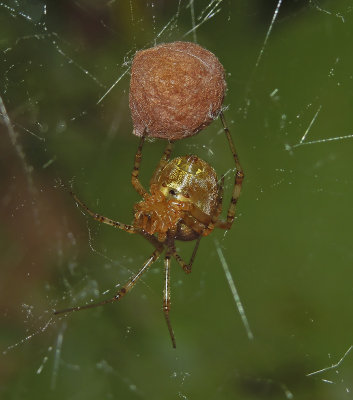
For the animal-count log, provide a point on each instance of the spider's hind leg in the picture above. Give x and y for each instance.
(239, 176)
(122, 292)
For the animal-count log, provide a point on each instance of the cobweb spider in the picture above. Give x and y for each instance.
(184, 203)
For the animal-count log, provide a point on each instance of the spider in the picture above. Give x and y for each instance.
(184, 203)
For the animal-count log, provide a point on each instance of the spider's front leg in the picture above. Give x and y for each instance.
(138, 157)
(163, 161)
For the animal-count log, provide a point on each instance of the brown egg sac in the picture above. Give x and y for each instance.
(176, 90)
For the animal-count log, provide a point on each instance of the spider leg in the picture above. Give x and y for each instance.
(135, 172)
(104, 220)
(239, 176)
(186, 267)
(122, 292)
(166, 297)
(193, 255)
(163, 161)
(220, 199)
(152, 239)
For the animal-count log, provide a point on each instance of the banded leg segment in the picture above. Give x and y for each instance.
(163, 161)
(135, 172)
(104, 220)
(239, 176)
(186, 267)
(166, 297)
(122, 292)
(219, 201)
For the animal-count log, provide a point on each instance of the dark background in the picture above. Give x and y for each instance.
(290, 250)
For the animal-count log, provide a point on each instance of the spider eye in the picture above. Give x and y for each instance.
(172, 192)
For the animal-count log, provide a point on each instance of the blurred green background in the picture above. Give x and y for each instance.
(290, 250)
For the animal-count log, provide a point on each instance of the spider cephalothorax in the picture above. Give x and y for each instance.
(157, 213)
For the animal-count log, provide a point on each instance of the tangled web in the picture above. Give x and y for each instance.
(64, 120)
